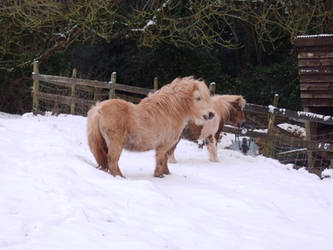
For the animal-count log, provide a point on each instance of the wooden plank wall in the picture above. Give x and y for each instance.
(315, 63)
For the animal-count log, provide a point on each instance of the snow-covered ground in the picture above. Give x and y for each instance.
(52, 197)
(293, 129)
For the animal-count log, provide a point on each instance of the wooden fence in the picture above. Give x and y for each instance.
(318, 155)
(270, 138)
(73, 83)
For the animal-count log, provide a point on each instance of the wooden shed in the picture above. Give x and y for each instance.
(315, 63)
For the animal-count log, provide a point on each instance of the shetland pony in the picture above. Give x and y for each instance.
(228, 108)
(154, 123)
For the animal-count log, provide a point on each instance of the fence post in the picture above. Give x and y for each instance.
(309, 128)
(74, 73)
(155, 83)
(35, 101)
(212, 88)
(97, 92)
(113, 85)
(269, 149)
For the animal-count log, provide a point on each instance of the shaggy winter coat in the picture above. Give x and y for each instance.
(228, 108)
(155, 123)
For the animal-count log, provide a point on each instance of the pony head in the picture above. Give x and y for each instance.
(203, 106)
(237, 116)
(185, 97)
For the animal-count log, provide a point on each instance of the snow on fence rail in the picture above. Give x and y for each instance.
(296, 115)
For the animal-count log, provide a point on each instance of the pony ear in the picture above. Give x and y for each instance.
(241, 102)
(235, 102)
(238, 102)
(195, 88)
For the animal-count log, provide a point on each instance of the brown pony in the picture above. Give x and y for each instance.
(228, 108)
(155, 123)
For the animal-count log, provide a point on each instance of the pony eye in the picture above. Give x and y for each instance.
(198, 98)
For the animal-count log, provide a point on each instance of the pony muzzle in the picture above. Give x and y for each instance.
(241, 125)
(209, 116)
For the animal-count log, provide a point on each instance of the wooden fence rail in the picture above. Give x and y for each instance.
(87, 85)
(68, 100)
(249, 107)
(67, 81)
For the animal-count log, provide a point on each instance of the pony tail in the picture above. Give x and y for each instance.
(96, 141)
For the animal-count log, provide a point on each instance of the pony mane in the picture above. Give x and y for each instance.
(174, 99)
(222, 107)
(236, 99)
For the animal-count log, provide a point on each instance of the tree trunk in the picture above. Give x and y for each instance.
(329, 20)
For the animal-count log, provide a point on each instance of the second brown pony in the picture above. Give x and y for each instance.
(155, 123)
(228, 108)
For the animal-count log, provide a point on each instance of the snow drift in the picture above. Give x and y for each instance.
(52, 197)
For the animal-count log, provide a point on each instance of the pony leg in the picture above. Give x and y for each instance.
(115, 143)
(161, 163)
(218, 135)
(113, 158)
(212, 148)
(171, 157)
(171, 153)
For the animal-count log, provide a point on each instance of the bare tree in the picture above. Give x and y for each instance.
(35, 29)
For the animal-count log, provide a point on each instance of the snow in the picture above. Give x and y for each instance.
(312, 115)
(294, 129)
(323, 145)
(327, 173)
(52, 197)
(271, 109)
(149, 23)
(314, 36)
(315, 70)
(153, 21)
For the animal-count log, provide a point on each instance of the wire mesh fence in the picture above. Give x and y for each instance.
(314, 160)
(56, 106)
(73, 95)
(300, 157)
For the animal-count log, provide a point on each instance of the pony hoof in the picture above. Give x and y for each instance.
(166, 172)
(172, 161)
(99, 167)
(159, 175)
(117, 175)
